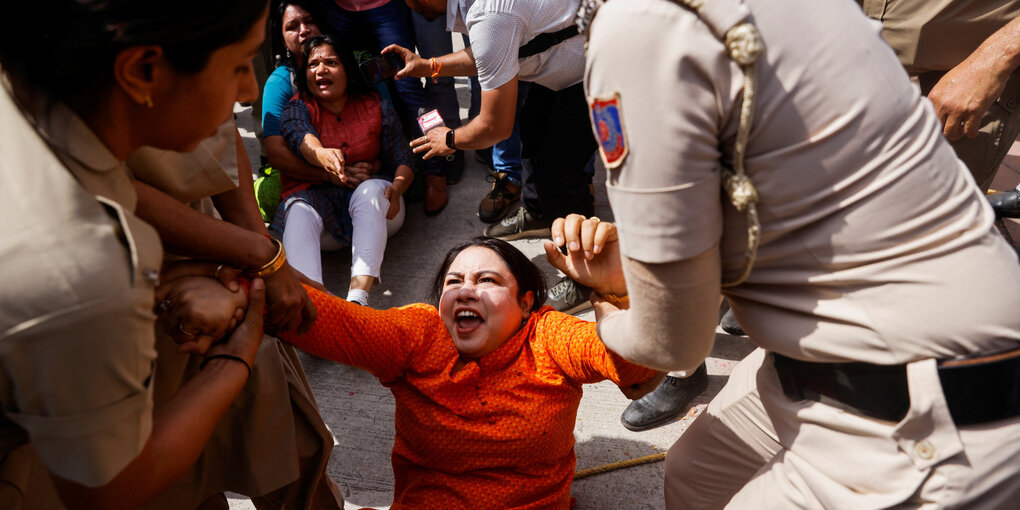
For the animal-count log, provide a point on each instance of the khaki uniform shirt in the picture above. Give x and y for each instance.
(876, 246)
(936, 35)
(76, 321)
(272, 435)
(209, 170)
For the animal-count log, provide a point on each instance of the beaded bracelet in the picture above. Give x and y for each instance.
(436, 65)
(617, 301)
(226, 356)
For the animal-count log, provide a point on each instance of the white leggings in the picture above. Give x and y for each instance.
(304, 236)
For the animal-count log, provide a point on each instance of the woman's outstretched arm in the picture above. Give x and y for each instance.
(380, 341)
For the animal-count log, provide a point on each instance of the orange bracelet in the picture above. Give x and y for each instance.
(436, 67)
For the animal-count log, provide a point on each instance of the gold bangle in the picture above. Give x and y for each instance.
(273, 265)
(617, 301)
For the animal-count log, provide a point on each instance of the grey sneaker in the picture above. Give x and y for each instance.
(730, 325)
(568, 296)
(520, 224)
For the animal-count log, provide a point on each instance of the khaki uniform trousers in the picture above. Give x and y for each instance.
(271, 444)
(753, 448)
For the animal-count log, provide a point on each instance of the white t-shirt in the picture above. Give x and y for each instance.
(498, 28)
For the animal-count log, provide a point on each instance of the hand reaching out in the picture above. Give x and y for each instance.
(290, 308)
(432, 144)
(965, 93)
(394, 197)
(331, 160)
(593, 253)
(414, 66)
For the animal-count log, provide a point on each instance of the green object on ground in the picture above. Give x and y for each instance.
(267, 192)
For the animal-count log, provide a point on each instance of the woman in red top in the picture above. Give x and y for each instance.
(486, 386)
(337, 121)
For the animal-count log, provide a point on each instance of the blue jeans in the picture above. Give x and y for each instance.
(374, 30)
(506, 155)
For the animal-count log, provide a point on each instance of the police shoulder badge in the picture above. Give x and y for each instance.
(607, 121)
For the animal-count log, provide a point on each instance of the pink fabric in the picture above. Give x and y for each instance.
(360, 5)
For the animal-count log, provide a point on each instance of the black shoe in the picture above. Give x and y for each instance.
(729, 324)
(1006, 204)
(568, 296)
(667, 402)
(520, 224)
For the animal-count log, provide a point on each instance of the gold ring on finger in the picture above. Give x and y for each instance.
(596, 218)
(180, 326)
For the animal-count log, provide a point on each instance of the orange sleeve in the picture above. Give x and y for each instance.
(380, 341)
(575, 346)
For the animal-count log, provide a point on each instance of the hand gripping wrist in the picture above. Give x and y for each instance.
(271, 267)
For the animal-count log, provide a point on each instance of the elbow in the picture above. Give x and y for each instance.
(659, 346)
(502, 132)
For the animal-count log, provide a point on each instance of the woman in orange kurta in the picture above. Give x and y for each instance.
(486, 386)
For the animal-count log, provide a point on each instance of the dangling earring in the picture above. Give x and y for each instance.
(148, 101)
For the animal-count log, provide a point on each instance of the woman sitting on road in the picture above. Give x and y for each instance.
(337, 122)
(293, 23)
(487, 386)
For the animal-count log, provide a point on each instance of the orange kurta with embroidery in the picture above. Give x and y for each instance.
(498, 433)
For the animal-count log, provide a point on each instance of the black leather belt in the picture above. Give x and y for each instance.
(544, 41)
(978, 390)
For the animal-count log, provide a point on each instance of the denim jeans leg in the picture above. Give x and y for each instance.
(346, 26)
(391, 24)
(506, 155)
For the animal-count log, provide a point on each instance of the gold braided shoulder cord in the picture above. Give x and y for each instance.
(745, 47)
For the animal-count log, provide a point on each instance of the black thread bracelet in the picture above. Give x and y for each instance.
(225, 356)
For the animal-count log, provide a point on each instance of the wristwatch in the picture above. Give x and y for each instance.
(449, 140)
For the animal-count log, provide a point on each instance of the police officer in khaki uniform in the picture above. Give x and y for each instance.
(275, 419)
(873, 386)
(965, 58)
(80, 271)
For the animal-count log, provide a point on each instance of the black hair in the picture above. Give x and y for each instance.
(280, 53)
(356, 82)
(75, 43)
(529, 277)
